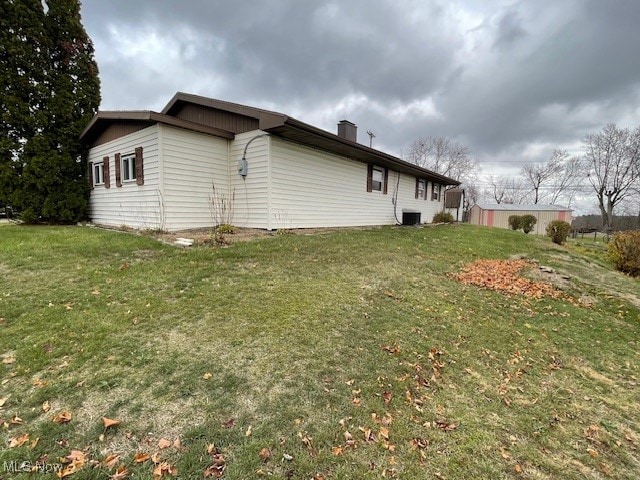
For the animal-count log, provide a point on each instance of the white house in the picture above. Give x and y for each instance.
(180, 168)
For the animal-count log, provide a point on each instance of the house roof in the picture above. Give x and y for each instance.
(289, 128)
(268, 121)
(512, 207)
(102, 120)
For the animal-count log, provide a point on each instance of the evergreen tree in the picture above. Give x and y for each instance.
(23, 66)
(48, 166)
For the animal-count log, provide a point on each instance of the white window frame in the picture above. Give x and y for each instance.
(128, 167)
(380, 171)
(98, 173)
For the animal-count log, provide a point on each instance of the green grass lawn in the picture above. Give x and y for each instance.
(339, 355)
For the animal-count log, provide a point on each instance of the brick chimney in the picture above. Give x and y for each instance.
(348, 130)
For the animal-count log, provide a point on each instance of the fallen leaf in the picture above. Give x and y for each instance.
(337, 451)
(163, 443)
(111, 460)
(207, 375)
(249, 431)
(120, 474)
(164, 469)
(446, 426)
(517, 468)
(62, 417)
(592, 452)
(19, 441)
(46, 406)
(108, 422)
(141, 457)
(16, 420)
(386, 397)
(265, 454)
(217, 467)
(3, 400)
(229, 423)
(34, 443)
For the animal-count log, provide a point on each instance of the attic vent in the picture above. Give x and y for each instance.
(348, 130)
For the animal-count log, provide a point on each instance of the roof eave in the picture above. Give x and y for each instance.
(359, 151)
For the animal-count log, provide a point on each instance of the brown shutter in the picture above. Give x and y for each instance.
(118, 164)
(426, 189)
(139, 167)
(386, 180)
(106, 174)
(369, 178)
(90, 174)
(417, 186)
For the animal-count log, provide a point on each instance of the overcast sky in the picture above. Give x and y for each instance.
(512, 80)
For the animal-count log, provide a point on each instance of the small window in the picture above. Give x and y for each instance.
(422, 189)
(128, 168)
(436, 192)
(377, 179)
(98, 173)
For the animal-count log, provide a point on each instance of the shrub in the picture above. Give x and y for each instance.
(558, 230)
(515, 221)
(226, 228)
(624, 251)
(527, 222)
(443, 217)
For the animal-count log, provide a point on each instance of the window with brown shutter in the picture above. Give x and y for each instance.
(139, 167)
(377, 179)
(118, 173)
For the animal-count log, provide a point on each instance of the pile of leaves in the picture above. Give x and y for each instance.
(504, 276)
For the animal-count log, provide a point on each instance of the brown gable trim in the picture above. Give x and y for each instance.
(266, 118)
(102, 120)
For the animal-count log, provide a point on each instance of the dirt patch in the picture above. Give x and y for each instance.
(205, 236)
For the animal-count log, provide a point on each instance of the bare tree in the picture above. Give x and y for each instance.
(443, 156)
(506, 190)
(537, 175)
(569, 179)
(612, 163)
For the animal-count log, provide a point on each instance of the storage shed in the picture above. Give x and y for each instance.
(497, 215)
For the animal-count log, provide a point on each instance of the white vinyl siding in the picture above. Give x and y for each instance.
(312, 188)
(251, 207)
(133, 205)
(193, 163)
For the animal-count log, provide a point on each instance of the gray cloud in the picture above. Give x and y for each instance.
(512, 80)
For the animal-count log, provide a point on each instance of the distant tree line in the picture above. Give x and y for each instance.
(609, 168)
(49, 90)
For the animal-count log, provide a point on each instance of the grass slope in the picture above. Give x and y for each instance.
(350, 354)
